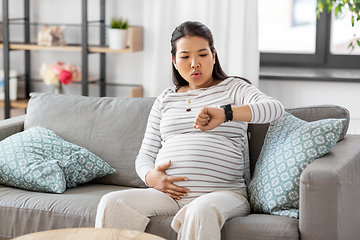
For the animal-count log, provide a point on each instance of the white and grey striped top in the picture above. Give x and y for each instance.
(211, 160)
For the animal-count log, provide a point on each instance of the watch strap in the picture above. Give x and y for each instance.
(228, 112)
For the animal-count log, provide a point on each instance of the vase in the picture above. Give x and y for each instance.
(117, 38)
(58, 88)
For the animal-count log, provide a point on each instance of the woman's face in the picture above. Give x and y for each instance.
(194, 61)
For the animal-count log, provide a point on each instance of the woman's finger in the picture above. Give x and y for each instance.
(176, 194)
(179, 190)
(173, 196)
(176, 179)
(164, 166)
(202, 121)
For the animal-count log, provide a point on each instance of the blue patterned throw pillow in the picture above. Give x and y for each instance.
(290, 145)
(39, 160)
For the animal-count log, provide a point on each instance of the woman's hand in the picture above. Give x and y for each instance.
(158, 179)
(209, 118)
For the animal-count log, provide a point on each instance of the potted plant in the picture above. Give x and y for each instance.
(342, 7)
(117, 33)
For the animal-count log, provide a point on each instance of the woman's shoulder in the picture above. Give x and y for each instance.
(231, 82)
(166, 92)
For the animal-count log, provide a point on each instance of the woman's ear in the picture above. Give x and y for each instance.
(214, 55)
(174, 62)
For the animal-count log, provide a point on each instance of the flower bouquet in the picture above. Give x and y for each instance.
(59, 73)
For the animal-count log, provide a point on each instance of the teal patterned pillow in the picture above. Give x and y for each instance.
(290, 145)
(39, 160)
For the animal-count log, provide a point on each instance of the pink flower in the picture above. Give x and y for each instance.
(60, 72)
(57, 69)
(65, 77)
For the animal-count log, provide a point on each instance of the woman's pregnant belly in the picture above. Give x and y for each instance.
(210, 162)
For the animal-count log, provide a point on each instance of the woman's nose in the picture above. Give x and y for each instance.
(195, 63)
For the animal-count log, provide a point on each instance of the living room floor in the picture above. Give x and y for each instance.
(13, 112)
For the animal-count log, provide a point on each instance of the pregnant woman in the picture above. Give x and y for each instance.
(192, 155)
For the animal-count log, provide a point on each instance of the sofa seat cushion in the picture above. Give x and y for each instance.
(251, 227)
(26, 211)
(110, 128)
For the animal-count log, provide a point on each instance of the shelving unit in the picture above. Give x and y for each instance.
(135, 44)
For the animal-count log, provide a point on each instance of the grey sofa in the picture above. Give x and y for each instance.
(112, 128)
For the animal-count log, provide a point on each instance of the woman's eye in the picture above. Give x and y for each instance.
(203, 55)
(184, 57)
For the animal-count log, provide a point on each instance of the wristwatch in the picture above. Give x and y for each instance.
(228, 112)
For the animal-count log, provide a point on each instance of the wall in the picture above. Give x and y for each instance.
(304, 93)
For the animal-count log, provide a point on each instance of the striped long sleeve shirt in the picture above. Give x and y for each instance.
(211, 160)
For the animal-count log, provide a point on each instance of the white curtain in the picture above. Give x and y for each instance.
(232, 22)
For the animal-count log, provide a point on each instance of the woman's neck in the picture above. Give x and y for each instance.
(186, 88)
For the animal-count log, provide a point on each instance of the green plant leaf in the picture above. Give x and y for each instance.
(330, 7)
(358, 42)
(341, 7)
(119, 23)
(351, 46)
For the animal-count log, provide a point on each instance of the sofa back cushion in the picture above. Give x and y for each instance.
(111, 128)
(257, 132)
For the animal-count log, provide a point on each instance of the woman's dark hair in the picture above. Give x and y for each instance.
(191, 29)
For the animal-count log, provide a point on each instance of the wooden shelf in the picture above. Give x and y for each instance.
(135, 37)
(37, 47)
(39, 79)
(22, 103)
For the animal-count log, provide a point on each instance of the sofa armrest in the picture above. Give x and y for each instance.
(11, 126)
(330, 194)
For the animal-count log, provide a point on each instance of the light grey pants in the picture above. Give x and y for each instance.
(201, 218)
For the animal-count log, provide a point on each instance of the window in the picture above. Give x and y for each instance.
(290, 34)
(342, 33)
(285, 28)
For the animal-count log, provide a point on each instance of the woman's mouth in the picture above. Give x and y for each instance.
(196, 74)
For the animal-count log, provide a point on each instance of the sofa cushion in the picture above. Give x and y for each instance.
(22, 167)
(290, 145)
(37, 159)
(251, 227)
(257, 132)
(26, 211)
(111, 128)
(261, 226)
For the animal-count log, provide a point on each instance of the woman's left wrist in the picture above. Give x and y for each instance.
(228, 112)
